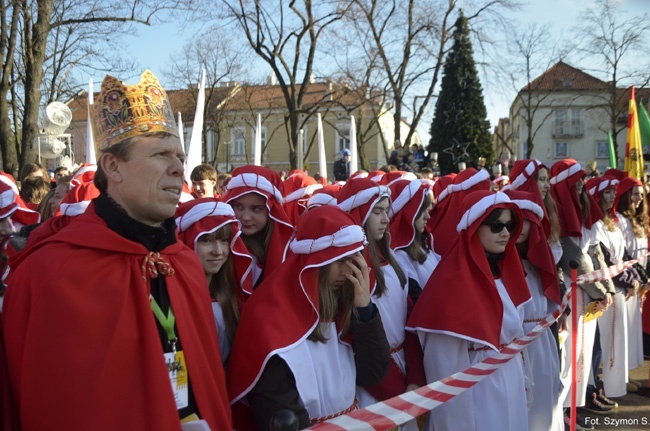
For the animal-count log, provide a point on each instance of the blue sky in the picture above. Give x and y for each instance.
(154, 45)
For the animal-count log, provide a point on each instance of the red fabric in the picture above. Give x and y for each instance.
(389, 177)
(82, 193)
(282, 230)
(82, 344)
(598, 195)
(444, 232)
(529, 185)
(624, 186)
(439, 207)
(539, 252)
(85, 174)
(402, 224)
(461, 296)
(47, 229)
(295, 181)
(646, 315)
(288, 299)
(568, 205)
(242, 260)
(616, 173)
(13, 205)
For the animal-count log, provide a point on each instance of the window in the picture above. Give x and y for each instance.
(342, 136)
(602, 150)
(561, 150)
(576, 122)
(558, 122)
(238, 141)
(524, 149)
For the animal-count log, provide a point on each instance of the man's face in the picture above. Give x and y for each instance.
(347, 158)
(148, 185)
(203, 188)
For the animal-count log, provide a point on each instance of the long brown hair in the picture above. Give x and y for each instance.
(223, 286)
(638, 216)
(418, 249)
(258, 244)
(333, 304)
(379, 252)
(608, 220)
(551, 213)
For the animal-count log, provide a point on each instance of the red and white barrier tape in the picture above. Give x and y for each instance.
(609, 272)
(409, 405)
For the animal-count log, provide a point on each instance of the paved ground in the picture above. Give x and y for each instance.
(633, 411)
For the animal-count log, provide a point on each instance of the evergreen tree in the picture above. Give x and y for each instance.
(460, 131)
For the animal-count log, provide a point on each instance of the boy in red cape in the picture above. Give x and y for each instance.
(108, 323)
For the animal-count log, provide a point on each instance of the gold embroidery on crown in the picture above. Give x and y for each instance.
(124, 111)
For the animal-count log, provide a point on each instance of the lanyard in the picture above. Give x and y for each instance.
(166, 322)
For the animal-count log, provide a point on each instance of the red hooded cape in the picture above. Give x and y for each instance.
(83, 349)
(461, 297)
(284, 309)
(564, 175)
(539, 251)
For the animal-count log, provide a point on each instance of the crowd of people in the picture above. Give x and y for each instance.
(135, 301)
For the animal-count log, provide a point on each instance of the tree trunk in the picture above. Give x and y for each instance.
(7, 134)
(35, 57)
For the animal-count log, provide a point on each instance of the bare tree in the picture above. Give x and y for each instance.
(223, 58)
(405, 43)
(285, 35)
(617, 46)
(532, 51)
(33, 23)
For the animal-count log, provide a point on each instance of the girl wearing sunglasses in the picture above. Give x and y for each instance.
(470, 309)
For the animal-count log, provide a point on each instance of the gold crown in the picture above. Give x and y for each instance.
(124, 111)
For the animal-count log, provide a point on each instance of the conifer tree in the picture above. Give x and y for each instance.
(460, 131)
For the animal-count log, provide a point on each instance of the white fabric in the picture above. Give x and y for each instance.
(7, 198)
(636, 248)
(586, 334)
(405, 176)
(530, 206)
(325, 373)
(479, 208)
(220, 323)
(496, 403)
(392, 309)
(612, 327)
(475, 179)
(249, 179)
(546, 411)
(563, 175)
(202, 210)
(301, 192)
(613, 323)
(344, 237)
(556, 249)
(363, 197)
(420, 272)
(405, 195)
(74, 209)
(320, 199)
(602, 186)
(521, 178)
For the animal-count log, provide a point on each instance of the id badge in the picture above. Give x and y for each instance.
(178, 377)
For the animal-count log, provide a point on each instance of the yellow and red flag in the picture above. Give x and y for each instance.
(633, 151)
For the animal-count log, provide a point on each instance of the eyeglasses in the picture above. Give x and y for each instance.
(497, 226)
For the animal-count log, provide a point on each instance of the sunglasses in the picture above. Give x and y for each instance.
(497, 226)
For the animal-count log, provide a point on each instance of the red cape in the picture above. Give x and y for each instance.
(83, 350)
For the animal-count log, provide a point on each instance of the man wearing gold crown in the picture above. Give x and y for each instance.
(103, 315)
